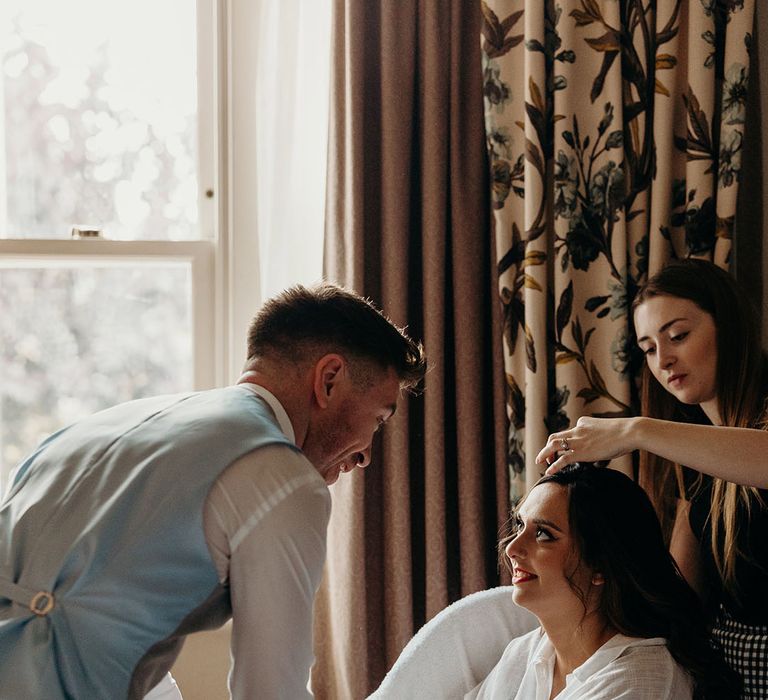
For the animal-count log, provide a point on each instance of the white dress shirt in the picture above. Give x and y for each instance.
(626, 668)
(265, 523)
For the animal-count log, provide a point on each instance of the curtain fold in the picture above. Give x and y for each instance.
(615, 132)
(408, 225)
(288, 44)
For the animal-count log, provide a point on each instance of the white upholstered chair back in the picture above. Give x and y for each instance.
(457, 648)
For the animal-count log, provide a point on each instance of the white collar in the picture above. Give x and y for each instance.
(610, 651)
(277, 408)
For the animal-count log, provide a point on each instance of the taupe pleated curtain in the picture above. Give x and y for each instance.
(615, 132)
(408, 225)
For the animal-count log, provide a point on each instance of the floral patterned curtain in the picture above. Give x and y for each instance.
(614, 129)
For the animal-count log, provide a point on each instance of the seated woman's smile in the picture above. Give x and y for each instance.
(546, 568)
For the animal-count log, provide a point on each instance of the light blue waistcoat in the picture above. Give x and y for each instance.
(106, 516)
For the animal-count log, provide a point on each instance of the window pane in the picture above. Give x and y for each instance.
(98, 118)
(75, 340)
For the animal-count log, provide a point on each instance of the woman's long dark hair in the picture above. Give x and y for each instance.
(616, 532)
(741, 384)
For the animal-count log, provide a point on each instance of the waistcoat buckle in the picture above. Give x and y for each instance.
(42, 603)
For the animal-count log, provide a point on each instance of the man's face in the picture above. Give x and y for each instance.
(339, 436)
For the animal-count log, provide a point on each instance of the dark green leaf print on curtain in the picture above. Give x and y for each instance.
(614, 130)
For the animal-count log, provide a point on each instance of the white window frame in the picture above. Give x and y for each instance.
(198, 254)
(238, 292)
(224, 261)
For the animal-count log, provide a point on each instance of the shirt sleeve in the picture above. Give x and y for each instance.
(265, 522)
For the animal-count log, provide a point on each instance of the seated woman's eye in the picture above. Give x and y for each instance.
(516, 527)
(543, 534)
(680, 336)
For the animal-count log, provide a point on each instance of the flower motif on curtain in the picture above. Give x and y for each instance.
(615, 138)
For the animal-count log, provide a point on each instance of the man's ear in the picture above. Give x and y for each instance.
(329, 371)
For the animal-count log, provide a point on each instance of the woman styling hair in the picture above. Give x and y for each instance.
(703, 403)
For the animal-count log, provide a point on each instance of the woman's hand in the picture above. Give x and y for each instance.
(739, 455)
(591, 440)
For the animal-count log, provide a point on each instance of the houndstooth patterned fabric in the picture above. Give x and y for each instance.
(745, 649)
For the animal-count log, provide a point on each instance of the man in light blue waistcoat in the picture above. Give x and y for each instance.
(130, 529)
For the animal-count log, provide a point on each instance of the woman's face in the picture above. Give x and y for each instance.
(544, 557)
(679, 341)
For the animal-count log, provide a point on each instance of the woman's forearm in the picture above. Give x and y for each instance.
(739, 455)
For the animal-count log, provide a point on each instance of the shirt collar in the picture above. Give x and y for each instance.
(611, 651)
(277, 408)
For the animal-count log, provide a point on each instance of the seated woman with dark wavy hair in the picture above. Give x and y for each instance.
(617, 619)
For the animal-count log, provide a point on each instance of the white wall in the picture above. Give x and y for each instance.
(201, 669)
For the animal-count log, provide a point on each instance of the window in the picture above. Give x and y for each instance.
(69, 345)
(100, 119)
(138, 119)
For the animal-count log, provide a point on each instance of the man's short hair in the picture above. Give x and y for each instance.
(302, 322)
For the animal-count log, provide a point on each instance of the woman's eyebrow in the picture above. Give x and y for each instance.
(548, 523)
